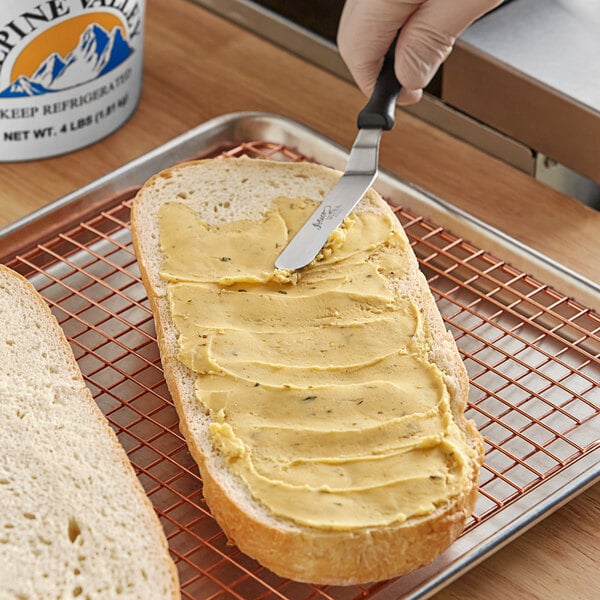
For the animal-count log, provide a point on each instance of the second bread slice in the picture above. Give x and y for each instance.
(75, 521)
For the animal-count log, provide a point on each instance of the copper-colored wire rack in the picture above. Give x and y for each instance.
(532, 355)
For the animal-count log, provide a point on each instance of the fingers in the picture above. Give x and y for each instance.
(428, 30)
(366, 31)
(428, 37)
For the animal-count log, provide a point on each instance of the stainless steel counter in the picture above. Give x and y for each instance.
(555, 42)
(531, 71)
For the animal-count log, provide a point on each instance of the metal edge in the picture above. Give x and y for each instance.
(248, 126)
(429, 580)
(462, 75)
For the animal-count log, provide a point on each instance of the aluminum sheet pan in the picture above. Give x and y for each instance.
(487, 338)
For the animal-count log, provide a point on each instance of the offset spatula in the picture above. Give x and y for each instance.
(361, 170)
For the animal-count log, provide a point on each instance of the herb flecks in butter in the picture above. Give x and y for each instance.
(318, 384)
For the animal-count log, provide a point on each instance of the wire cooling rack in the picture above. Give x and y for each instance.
(531, 352)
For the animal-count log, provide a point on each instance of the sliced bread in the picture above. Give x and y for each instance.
(220, 201)
(75, 521)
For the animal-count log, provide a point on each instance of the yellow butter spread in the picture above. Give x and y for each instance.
(318, 386)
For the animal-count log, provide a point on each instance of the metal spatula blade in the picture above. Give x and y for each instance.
(377, 116)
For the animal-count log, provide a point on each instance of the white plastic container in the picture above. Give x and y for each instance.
(70, 73)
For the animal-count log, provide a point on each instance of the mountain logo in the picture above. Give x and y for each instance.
(44, 69)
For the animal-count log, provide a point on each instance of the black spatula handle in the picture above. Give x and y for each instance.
(378, 113)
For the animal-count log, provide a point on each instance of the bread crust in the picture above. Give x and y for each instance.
(290, 550)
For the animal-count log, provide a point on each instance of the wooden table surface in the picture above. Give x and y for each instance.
(199, 66)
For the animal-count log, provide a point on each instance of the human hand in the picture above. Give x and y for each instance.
(428, 30)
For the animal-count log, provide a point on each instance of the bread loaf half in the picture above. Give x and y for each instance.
(325, 406)
(75, 521)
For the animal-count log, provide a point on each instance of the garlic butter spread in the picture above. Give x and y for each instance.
(317, 383)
